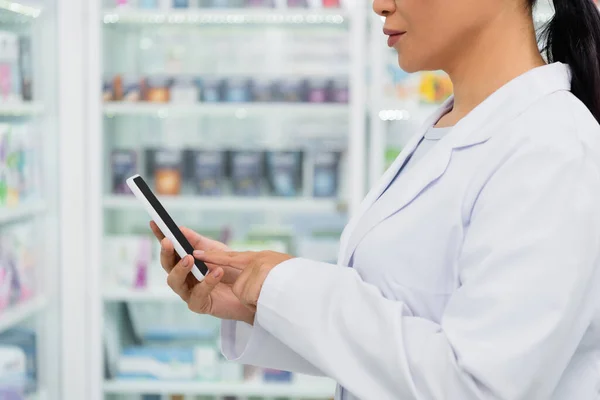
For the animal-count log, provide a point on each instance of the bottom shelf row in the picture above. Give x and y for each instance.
(307, 388)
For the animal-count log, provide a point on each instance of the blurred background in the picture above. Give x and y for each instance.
(260, 123)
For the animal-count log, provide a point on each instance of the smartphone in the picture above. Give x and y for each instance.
(165, 223)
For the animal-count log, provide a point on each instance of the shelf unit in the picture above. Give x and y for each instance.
(139, 295)
(198, 203)
(237, 110)
(321, 389)
(228, 16)
(12, 214)
(19, 313)
(20, 109)
(18, 11)
(41, 394)
(109, 114)
(37, 20)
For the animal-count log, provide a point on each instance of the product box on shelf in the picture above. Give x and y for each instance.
(17, 264)
(158, 89)
(128, 258)
(237, 90)
(26, 67)
(247, 172)
(24, 339)
(435, 87)
(165, 167)
(132, 89)
(275, 375)
(207, 171)
(168, 363)
(212, 89)
(18, 164)
(10, 75)
(284, 171)
(184, 90)
(326, 174)
(260, 3)
(123, 165)
(13, 372)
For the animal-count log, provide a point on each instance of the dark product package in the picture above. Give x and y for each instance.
(260, 3)
(326, 174)
(317, 92)
(124, 165)
(26, 67)
(262, 90)
(284, 172)
(237, 90)
(247, 172)
(207, 171)
(291, 90)
(338, 91)
(297, 3)
(165, 165)
(212, 90)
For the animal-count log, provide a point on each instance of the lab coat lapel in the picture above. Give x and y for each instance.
(477, 127)
(386, 179)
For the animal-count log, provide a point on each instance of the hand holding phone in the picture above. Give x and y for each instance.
(165, 223)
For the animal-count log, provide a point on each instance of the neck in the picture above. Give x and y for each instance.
(504, 50)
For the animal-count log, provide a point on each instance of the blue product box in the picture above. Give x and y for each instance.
(237, 90)
(326, 173)
(181, 3)
(156, 363)
(24, 339)
(212, 90)
(148, 3)
(284, 171)
(274, 375)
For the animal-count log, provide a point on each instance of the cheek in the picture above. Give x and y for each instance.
(435, 30)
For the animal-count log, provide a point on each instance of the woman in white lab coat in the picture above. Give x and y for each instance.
(472, 270)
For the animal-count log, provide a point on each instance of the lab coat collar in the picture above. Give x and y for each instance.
(477, 127)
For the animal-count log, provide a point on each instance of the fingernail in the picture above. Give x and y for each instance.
(186, 262)
(198, 253)
(218, 273)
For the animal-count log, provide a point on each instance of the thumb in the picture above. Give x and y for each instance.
(203, 290)
(214, 277)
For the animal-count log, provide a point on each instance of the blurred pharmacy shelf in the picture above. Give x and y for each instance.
(16, 11)
(198, 203)
(397, 110)
(318, 388)
(238, 110)
(39, 395)
(14, 315)
(10, 214)
(334, 16)
(139, 295)
(18, 109)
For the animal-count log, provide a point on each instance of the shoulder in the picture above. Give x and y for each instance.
(549, 147)
(558, 122)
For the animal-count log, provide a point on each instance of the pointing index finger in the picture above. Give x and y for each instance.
(237, 260)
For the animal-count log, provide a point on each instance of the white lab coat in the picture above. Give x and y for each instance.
(476, 277)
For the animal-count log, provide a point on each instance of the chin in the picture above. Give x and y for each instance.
(409, 64)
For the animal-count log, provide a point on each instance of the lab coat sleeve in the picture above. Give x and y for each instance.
(528, 289)
(253, 345)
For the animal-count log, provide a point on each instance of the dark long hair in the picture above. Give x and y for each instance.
(573, 37)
